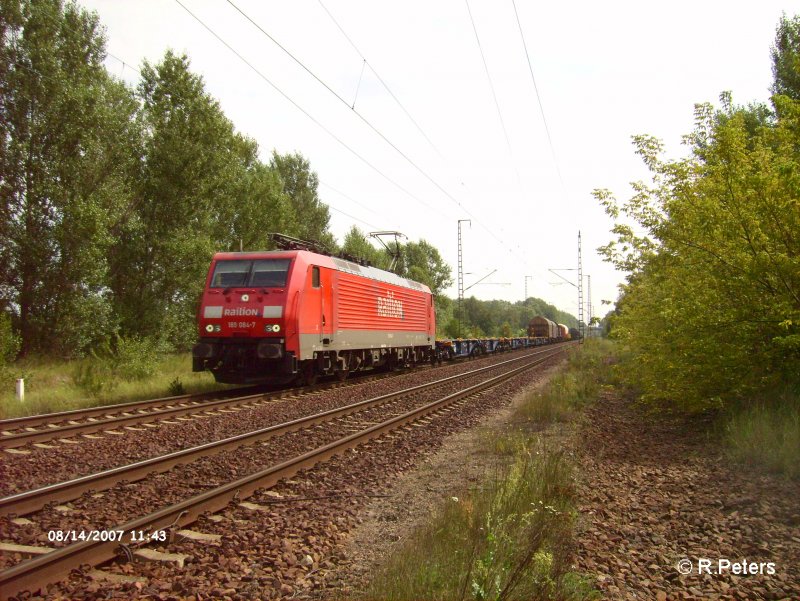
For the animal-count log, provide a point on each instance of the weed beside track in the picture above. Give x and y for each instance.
(510, 536)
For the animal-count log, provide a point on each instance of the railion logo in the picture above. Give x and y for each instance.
(240, 312)
(389, 306)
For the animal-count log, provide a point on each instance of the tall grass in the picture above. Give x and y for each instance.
(511, 536)
(62, 385)
(766, 434)
(509, 540)
(571, 389)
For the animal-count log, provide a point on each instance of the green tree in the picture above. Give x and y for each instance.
(711, 310)
(190, 198)
(421, 261)
(260, 206)
(300, 184)
(786, 58)
(356, 244)
(66, 142)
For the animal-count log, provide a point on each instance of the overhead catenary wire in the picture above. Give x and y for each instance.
(353, 200)
(538, 98)
(325, 129)
(380, 79)
(305, 112)
(334, 136)
(367, 223)
(124, 63)
(419, 128)
(373, 127)
(366, 121)
(494, 95)
(333, 208)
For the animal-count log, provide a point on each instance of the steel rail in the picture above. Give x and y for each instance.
(53, 566)
(172, 407)
(29, 501)
(50, 419)
(120, 421)
(30, 421)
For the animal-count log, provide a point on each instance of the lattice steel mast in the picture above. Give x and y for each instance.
(461, 275)
(580, 290)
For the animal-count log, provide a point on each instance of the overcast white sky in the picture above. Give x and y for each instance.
(605, 72)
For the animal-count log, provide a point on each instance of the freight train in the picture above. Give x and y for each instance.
(541, 327)
(295, 314)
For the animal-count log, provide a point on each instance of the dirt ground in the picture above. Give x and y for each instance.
(656, 496)
(457, 466)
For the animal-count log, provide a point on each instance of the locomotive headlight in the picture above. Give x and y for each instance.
(209, 328)
(217, 328)
(245, 297)
(276, 328)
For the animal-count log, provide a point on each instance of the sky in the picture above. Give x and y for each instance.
(441, 141)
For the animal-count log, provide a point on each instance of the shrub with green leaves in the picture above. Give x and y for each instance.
(136, 358)
(95, 376)
(9, 340)
(711, 309)
(766, 434)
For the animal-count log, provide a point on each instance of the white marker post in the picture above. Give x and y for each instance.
(21, 389)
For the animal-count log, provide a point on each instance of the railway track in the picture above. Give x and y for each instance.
(24, 503)
(54, 565)
(68, 425)
(41, 429)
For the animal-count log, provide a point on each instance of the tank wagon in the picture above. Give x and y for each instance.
(279, 316)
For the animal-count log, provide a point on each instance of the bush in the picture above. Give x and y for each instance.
(572, 388)
(176, 388)
(137, 358)
(9, 347)
(9, 340)
(507, 540)
(132, 359)
(95, 376)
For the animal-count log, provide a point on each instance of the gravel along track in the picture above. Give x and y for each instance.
(116, 506)
(29, 501)
(279, 544)
(34, 431)
(20, 431)
(655, 493)
(104, 451)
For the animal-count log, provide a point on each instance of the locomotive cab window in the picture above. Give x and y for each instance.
(238, 273)
(315, 277)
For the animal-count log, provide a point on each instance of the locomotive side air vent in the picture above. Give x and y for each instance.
(347, 266)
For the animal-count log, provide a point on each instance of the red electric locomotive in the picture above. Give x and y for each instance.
(287, 315)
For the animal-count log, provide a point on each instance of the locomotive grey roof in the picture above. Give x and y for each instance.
(374, 273)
